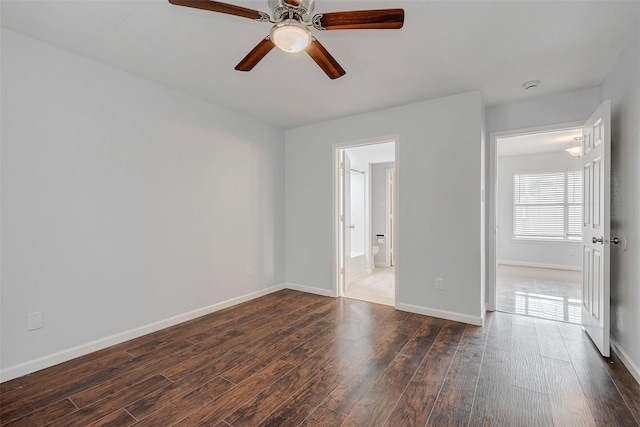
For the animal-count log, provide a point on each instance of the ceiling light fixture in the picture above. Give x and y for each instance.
(576, 150)
(291, 36)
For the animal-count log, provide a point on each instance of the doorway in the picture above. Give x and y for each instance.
(538, 223)
(364, 218)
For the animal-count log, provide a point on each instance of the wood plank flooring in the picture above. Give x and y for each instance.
(295, 359)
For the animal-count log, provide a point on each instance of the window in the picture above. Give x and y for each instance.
(547, 205)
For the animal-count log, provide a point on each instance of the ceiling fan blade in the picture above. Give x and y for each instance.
(383, 19)
(216, 6)
(324, 59)
(253, 57)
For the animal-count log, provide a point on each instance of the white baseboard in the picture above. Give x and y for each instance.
(539, 265)
(311, 289)
(381, 264)
(34, 365)
(626, 360)
(443, 314)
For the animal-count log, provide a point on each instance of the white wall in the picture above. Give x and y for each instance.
(622, 87)
(543, 110)
(439, 215)
(560, 254)
(379, 208)
(124, 203)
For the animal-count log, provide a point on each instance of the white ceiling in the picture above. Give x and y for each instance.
(445, 47)
(538, 142)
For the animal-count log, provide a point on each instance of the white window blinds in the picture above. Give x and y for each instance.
(548, 205)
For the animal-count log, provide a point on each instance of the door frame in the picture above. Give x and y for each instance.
(389, 214)
(335, 212)
(493, 205)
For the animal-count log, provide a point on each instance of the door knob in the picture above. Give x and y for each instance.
(615, 240)
(596, 240)
(352, 226)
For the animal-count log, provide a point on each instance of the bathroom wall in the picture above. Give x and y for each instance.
(358, 255)
(379, 209)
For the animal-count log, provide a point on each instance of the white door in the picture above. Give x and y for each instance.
(596, 173)
(345, 171)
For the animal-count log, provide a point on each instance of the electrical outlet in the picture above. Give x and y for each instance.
(247, 272)
(34, 321)
(572, 252)
(439, 283)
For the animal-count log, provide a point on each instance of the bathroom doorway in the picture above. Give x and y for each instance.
(365, 205)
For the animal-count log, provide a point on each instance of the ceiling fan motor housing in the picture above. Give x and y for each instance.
(300, 10)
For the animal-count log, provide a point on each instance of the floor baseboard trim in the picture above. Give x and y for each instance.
(442, 314)
(34, 365)
(311, 289)
(539, 265)
(626, 360)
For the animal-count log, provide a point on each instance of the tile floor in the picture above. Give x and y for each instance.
(538, 297)
(378, 287)
(517, 293)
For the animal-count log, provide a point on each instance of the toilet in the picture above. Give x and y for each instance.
(374, 251)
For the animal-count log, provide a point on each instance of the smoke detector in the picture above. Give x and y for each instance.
(531, 84)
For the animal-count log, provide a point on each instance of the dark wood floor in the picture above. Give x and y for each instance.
(291, 358)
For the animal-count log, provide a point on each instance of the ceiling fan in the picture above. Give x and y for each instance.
(291, 30)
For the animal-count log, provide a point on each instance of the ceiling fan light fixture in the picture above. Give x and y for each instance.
(291, 36)
(293, 21)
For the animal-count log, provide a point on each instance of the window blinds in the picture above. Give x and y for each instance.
(548, 205)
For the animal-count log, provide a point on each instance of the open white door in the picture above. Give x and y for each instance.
(345, 171)
(596, 173)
